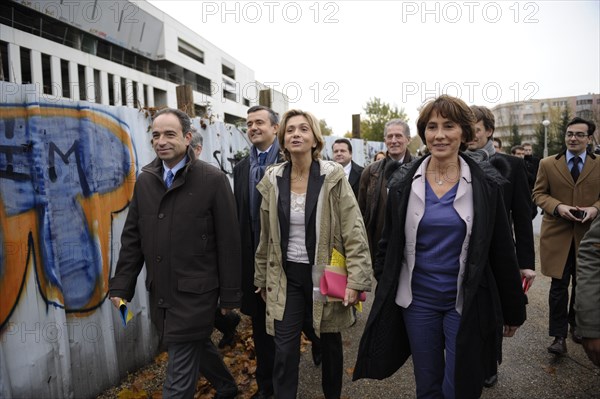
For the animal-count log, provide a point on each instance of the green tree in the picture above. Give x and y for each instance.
(325, 130)
(556, 131)
(377, 114)
(559, 121)
(538, 147)
(515, 136)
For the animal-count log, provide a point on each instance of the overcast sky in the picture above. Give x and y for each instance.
(330, 57)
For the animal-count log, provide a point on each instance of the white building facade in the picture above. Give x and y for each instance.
(126, 53)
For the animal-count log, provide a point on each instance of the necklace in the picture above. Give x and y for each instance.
(439, 182)
(299, 177)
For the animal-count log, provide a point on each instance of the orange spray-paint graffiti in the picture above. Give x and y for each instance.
(64, 173)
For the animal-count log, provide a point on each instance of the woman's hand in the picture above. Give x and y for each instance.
(263, 293)
(529, 276)
(509, 331)
(350, 297)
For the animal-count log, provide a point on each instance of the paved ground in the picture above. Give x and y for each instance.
(528, 370)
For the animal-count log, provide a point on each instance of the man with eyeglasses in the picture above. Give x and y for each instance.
(567, 189)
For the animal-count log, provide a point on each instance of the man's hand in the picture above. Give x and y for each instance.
(509, 331)
(564, 211)
(592, 349)
(591, 212)
(116, 301)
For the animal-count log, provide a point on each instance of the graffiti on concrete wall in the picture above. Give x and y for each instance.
(67, 172)
(64, 172)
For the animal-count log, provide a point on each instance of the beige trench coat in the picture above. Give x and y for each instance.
(339, 225)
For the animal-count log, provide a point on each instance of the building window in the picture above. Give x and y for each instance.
(135, 95)
(145, 90)
(82, 82)
(116, 54)
(25, 65)
(246, 102)
(191, 51)
(228, 71)
(200, 110)
(229, 95)
(89, 44)
(198, 82)
(111, 89)
(130, 61)
(585, 114)
(123, 91)
(97, 87)
(103, 50)
(64, 77)
(160, 98)
(4, 61)
(229, 90)
(46, 74)
(233, 119)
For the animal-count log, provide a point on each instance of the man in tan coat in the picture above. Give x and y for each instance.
(567, 188)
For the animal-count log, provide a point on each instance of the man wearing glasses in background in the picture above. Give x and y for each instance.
(567, 189)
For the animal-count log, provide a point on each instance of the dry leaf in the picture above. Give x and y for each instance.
(549, 369)
(132, 394)
(240, 360)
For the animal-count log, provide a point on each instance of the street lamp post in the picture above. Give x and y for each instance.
(546, 123)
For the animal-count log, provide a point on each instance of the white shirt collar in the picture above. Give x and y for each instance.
(569, 156)
(175, 168)
(258, 152)
(348, 169)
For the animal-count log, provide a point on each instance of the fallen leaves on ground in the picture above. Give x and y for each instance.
(239, 359)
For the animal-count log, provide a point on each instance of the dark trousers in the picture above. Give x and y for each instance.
(432, 335)
(188, 359)
(287, 339)
(561, 309)
(264, 348)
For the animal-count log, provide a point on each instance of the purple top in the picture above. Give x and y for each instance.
(440, 237)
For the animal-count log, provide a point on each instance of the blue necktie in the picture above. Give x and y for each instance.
(169, 179)
(575, 169)
(262, 158)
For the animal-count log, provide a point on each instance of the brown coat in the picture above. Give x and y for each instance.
(554, 185)
(189, 239)
(372, 197)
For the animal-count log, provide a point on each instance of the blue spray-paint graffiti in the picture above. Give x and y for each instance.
(63, 171)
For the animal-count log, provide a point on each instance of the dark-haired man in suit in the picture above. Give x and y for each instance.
(181, 224)
(262, 124)
(342, 154)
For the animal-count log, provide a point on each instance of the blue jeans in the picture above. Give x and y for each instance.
(430, 332)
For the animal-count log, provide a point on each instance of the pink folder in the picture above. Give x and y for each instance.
(334, 285)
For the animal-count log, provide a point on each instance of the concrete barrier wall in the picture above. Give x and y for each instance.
(67, 171)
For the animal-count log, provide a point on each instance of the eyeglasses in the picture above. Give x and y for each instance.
(579, 135)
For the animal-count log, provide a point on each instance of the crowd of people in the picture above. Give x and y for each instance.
(444, 240)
